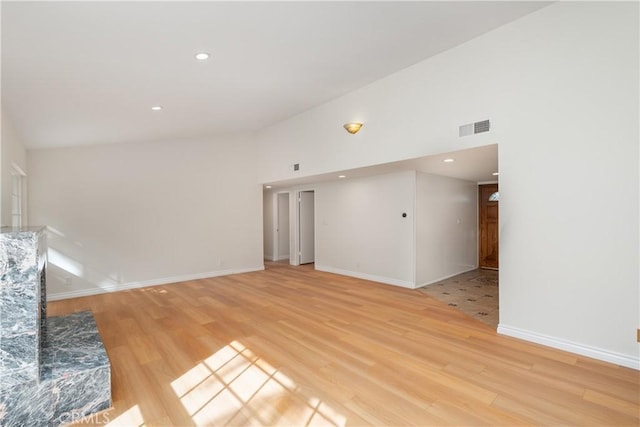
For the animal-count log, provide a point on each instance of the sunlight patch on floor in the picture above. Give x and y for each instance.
(132, 417)
(234, 386)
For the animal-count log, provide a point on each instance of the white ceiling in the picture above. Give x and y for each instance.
(77, 73)
(473, 164)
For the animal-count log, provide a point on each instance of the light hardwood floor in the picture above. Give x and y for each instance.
(293, 346)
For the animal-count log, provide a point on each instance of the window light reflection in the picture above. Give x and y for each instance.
(131, 418)
(235, 386)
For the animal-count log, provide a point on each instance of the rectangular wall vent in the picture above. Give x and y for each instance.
(474, 128)
(466, 130)
(482, 126)
(296, 167)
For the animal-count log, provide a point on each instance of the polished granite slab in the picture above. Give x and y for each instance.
(22, 303)
(75, 377)
(52, 370)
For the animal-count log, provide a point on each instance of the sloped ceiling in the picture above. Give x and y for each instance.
(76, 73)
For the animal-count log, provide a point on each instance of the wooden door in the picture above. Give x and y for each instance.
(488, 232)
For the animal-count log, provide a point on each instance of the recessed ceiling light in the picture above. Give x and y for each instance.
(156, 108)
(449, 160)
(267, 186)
(342, 176)
(202, 56)
(495, 173)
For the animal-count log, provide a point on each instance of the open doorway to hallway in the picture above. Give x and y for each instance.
(476, 292)
(441, 241)
(289, 225)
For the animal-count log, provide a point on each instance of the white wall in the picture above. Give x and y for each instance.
(283, 226)
(12, 153)
(276, 214)
(268, 213)
(133, 214)
(360, 230)
(569, 185)
(446, 227)
(561, 88)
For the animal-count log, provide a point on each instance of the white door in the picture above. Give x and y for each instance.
(306, 223)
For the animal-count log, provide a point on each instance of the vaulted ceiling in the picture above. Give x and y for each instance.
(76, 73)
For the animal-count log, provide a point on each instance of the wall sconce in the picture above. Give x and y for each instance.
(353, 127)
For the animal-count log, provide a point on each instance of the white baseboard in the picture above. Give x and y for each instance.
(470, 268)
(632, 362)
(282, 257)
(55, 296)
(365, 276)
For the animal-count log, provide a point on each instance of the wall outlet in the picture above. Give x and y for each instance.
(67, 281)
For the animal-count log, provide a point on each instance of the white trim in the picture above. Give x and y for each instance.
(414, 234)
(632, 362)
(365, 276)
(145, 283)
(282, 257)
(471, 268)
(275, 212)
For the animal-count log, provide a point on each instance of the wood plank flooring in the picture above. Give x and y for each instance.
(293, 346)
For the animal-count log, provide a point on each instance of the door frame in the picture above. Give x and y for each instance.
(19, 179)
(479, 206)
(294, 226)
(294, 220)
(276, 224)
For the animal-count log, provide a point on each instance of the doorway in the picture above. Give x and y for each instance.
(488, 255)
(306, 227)
(282, 246)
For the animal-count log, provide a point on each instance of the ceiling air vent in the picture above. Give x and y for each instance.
(474, 128)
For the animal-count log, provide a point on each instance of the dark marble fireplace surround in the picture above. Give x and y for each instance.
(52, 370)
